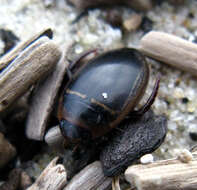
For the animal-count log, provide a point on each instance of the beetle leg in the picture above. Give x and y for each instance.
(150, 100)
(69, 73)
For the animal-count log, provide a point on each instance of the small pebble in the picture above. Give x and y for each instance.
(133, 22)
(185, 156)
(185, 100)
(193, 136)
(147, 159)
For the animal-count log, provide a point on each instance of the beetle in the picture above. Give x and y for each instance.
(102, 92)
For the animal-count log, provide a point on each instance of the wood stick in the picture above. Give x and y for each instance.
(43, 100)
(11, 55)
(53, 177)
(90, 178)
(171, 50)
(170, 174)
(34, 63)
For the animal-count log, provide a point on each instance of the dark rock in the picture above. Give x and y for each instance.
(138, 137)
(193, 136)
(185, 100)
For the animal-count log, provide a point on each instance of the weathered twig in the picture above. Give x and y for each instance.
(164, 175)
(10, 56)
(43, 100)
(35, 62)
(53, 177)
(170, 49)
(90, 178)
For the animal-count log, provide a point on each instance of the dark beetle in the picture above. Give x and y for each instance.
(102, 92)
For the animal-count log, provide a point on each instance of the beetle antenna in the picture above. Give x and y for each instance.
(150, 100)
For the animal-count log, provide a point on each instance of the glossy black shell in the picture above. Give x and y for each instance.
(104, 90)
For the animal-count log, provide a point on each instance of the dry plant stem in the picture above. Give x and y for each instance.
(142, 5)
(35, 62)
(90, 178)
(43, 100)
(164, 175)
(53, 177)
(53, 136)
(10, 56)
(171, 50)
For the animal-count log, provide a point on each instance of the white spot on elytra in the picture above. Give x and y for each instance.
(104, 94)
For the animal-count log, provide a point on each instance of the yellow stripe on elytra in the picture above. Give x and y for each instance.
(76, 93)
(103, 106)
(93, 101)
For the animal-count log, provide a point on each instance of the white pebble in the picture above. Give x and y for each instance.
(146, 159)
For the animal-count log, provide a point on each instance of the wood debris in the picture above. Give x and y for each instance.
(170, 174)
